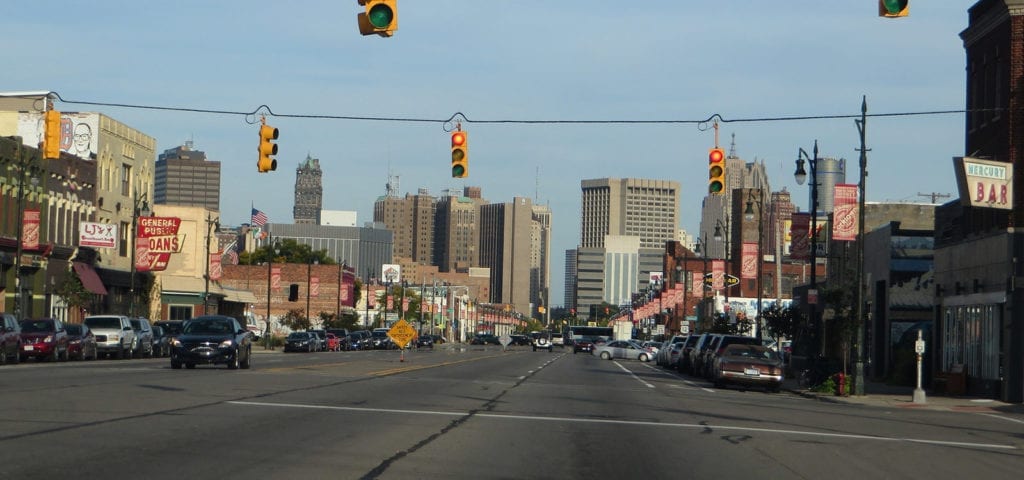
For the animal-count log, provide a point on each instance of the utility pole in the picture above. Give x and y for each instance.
(935, 196)
(858, 368)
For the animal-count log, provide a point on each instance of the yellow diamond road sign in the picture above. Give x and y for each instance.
(401, 333)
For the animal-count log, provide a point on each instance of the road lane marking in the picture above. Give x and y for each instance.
(633, 375)
(696, 426)
(1002, 417)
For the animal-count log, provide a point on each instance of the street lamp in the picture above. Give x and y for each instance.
(719, 236)
(749, 215)
(19, 308)
(801, 175)
(211, 225)
(309, 291)
(704, 271)
(141, 205)
(277, 251)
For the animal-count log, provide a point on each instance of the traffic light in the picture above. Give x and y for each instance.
(380, 17)
(293, 292)
(267, 148)
(51, 135)
(716, 171)
(893, 8)
(460, 154)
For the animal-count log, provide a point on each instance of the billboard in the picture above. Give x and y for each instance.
(155, 240)
(79, 132)
(97, 235)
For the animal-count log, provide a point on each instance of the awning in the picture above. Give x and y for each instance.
(90, 280)
(238, 296)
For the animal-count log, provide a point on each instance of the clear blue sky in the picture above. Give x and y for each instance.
(510, 60)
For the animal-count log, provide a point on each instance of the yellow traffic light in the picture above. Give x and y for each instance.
(380, 17)
(51, 134)
(267, 148)
(716, 171)
(460, 154)
(893, 8)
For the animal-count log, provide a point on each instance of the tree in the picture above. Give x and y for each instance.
(782, 322)
(296, 319)
(73, 292)
(721, 323)
(290, 252)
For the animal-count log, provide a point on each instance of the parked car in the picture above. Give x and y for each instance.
(10, 339)
(379, 339)
(300, 342)
(719, 346)
(212, 339)
(620, 349)
(697, 354)
(683, 364)
(172, 328)
(161, 342)
(114, 335)
(333, 344)
(81, 342)
(321, 337)
(674, 354)
(484, 339)
(662, 359)
(748, 365)
(520, 340)
(143, 336)
(425, 341)
(44, 339)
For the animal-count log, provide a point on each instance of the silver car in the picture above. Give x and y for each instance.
(622, 349)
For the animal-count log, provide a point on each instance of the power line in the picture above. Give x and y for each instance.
(265, 109)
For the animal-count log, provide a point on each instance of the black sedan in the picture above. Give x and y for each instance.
(212, 339)
(425, 341)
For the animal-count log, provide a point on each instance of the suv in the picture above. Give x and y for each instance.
(10, 338)
(143, 336)
(114, 335)
(542, 340)
(44, 339)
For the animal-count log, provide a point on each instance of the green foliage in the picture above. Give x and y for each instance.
(532, 326)
(828, 386)
(290, 251)
(295, 319)
(73, 292)
(722, 324)
(782, 322)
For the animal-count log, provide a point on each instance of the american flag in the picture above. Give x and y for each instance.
(259, 218)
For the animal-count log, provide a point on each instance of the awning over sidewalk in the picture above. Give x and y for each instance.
(238, 296)
(90, 279)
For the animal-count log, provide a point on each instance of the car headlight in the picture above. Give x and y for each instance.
(227, 343)
(48, 339)
(175, 343)
(113, 337)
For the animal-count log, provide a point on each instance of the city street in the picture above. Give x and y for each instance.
(464, 412)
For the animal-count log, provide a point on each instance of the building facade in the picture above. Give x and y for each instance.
(183, 176)
(412, 220)
(309, 192)
(505, 248)
(647, 209)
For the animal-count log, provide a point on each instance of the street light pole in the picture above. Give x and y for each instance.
(276, 251)
(749, 215)
(858, 366)
(210, 222)
(817, 340)
(141, 207)
(719, 236)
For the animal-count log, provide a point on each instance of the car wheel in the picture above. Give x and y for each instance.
(644, 357)
(248, 359)
(606, 355)
(233, 364)
(175, 364)
(535, 348)
(131, 352)
(55, 355)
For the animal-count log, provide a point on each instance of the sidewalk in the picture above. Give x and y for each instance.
(896, 396)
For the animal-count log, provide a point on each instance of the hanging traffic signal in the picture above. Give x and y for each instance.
(716, 171)
(267, 148)
(893, 8)
(293, 292)
(51, 134)
(380, 17)
(460, 154)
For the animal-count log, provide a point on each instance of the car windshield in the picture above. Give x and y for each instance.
(36, 326)
(74, 329)
(103, 322)
(298, 336)
(750, 351)
(136, 324)
(171, 328)
(208, 327)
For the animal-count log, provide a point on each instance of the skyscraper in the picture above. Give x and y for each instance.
(506, 231)
(309, 192)
(648, 209)
(412, 221)
(457, 231)
(185, 177)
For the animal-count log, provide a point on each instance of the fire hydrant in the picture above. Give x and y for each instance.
(840, 384)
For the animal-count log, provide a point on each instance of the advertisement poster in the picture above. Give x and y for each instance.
(275, 279)
(30, 229)
(314, 286)
(844, 226)
(748, 269)
(155, 240)
(215, 267)
(801, 227)
(97, 235)
(718, 274)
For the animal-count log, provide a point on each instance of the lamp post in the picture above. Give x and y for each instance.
(801, 175)
(19, 307)
(704, 271)
(211, 224)
(858, 368)
(749, 215)
(719, 236)
(141, 209)
(277, 251)
(309, 291)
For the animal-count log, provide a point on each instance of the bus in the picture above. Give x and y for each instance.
(591, 334)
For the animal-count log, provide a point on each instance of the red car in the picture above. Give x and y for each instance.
(44, 339)
(333, 343)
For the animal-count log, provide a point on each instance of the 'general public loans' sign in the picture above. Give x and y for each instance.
(155, 241)
(984, 183)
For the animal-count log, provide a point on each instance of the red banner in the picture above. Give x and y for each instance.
(748, 269)
(800, 249)
(215, 268)
(405, 304)
(30, 229)
(275, 279)
(391, 302)
(718, 274)
(698, 285)
(314, 286)
(156, 238)
(844, 216)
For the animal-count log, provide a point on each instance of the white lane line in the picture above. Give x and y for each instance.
(624, 369)
(497, 416)
(707, 389)
(522, 377)
(1002, 417)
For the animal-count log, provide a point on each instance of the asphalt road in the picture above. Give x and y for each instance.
(472, 413)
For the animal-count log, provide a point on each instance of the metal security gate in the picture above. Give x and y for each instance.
(971, 337)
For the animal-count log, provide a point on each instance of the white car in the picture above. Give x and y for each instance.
(114, 335)
(542, 341)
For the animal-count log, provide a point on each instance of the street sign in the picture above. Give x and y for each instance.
(505, 339)
(401, 333)
(730, 280)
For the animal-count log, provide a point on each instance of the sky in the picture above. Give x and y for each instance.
(556, 70)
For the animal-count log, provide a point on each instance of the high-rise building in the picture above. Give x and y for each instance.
(309, 192)
(570, 279)
(648, 209)
(412, 221)
(184, 177)
(540, 258)
(457, 231)
(505, 247)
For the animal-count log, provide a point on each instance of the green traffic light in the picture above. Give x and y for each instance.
(458, 171)
(894, 6)
(715, 187)
(380, 16)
